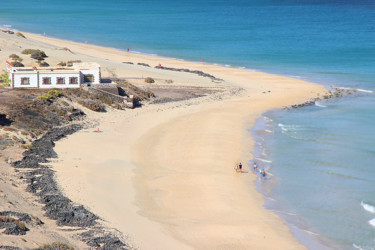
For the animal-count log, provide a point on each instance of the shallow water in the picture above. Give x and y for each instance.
(320, 158)
(323, 170)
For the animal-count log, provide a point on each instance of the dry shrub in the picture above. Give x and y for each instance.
(15, 221)
(149, 80)
(20, 35)
(57, 245)
(70, 63)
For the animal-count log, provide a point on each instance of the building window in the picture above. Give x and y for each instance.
(25, 80)
(73, 80)
(88, 78)
(46, 80)
(60, 80)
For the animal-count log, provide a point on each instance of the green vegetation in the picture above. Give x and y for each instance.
(50, 95)
(45, 97)
(4, 79)
(149, 80)
(56, 245)
(55, 93)
(30, 147)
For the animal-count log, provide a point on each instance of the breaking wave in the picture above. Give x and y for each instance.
(368, 207)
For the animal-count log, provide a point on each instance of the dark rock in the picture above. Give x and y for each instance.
(100, 240)
(10, 248)
(144, 64)
(336, 93)
(4, 121)
(12, 229)
(13, 222)
(197, 72)
(41, 182)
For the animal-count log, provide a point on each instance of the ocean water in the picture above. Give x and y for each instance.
(322, 173)
(320, 159)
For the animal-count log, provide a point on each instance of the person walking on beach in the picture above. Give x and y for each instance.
(255, 167)
(240, 167)
(236, 168)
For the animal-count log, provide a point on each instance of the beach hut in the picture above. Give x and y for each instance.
(80, 74)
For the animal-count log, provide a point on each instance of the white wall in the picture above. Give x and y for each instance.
(91, 72)
(54, 81)
(33, 76)
(33, 80)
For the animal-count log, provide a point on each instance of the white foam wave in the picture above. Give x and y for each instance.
(312, 233)
(289, 128)
(6, 26)
(368, 207)
(267, 119)
(268, 131)
(365, 90)
(320, 105)
(263, 160)
(271, 199)
(264, 152)
(357, 247)
(294, 76)
(343, 88)
(359, 90)
(284, 212)
(372, 222)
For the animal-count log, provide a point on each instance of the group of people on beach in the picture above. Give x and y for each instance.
(262, 172)
(238, 167)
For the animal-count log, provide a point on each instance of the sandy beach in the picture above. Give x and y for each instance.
(162, 174)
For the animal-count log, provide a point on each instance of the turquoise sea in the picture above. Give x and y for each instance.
(321, 158)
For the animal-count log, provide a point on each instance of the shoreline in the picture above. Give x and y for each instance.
(262, 92)
(135, 52)
(297, 227)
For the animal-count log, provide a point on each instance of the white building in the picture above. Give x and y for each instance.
(60, 77)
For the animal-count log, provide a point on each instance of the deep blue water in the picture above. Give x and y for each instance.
(322, 157)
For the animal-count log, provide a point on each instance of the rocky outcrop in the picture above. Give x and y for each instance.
(197, 72)
(143, 64)
(40, 181)
(335, 93)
